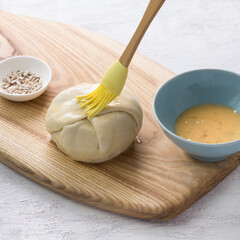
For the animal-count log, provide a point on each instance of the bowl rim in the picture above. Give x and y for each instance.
(225, 144)
(39, 90)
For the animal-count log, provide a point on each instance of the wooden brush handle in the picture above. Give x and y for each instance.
(150, 13)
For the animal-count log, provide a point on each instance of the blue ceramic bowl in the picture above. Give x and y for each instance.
(190, 89)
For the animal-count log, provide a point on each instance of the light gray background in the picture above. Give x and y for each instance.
(185, 35)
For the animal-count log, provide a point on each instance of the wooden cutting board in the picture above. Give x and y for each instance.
(153, 180)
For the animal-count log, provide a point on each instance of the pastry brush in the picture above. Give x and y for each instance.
(115, 77)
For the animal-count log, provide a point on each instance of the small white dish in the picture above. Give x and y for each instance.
(24, 63)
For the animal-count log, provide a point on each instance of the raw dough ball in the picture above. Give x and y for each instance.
(103, 137)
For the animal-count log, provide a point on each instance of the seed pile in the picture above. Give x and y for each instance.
(21, 82)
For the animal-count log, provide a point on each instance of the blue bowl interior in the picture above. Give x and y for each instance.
(194, 88)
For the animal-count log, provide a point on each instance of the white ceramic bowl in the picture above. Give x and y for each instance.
(24, 63)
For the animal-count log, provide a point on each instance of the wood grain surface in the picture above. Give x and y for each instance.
(153, 180)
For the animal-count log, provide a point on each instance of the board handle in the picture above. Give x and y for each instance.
(151, 11)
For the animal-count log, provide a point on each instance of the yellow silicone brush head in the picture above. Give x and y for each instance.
(94, 102)
(110, 87)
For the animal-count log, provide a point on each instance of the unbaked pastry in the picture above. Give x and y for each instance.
(103, 137)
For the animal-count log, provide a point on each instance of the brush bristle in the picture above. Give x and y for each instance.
(95, 101)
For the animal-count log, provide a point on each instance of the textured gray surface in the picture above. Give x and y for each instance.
(185, 35)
